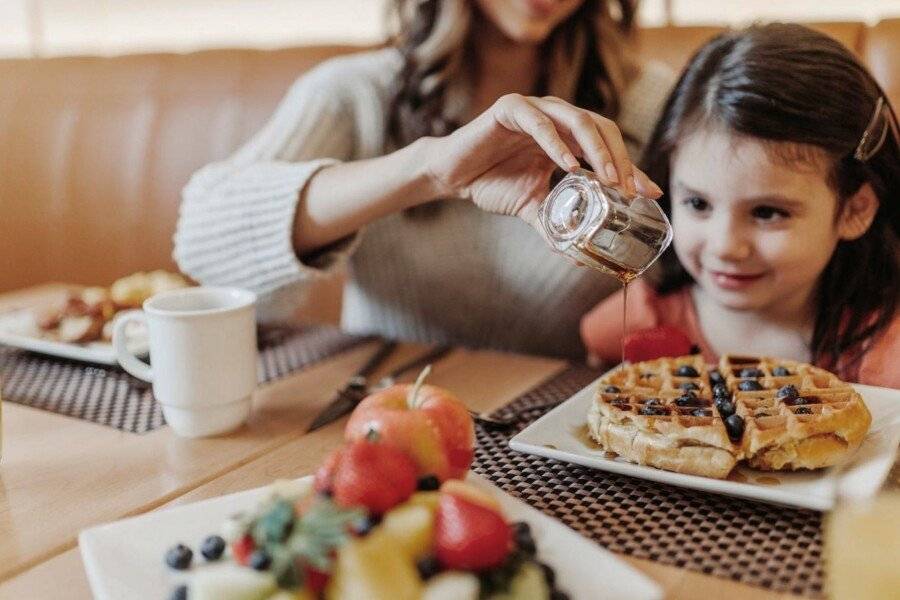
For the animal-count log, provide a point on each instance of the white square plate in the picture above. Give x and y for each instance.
(124, 559)
(18, 329)
(561, 434)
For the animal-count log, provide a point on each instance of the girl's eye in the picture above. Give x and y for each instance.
(769, 213)
(697, 204)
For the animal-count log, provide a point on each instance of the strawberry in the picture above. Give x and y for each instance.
(469, 535)
(373, 475)
(242, 548)
(649, 344)
(314, 579)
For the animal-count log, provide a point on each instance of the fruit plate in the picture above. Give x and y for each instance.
(561, 434)
(124, 559)
(18, 329)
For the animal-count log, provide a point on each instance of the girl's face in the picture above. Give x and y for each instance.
(755, 233)
(529, 21)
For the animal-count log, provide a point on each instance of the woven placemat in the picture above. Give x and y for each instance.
(110, 396)
(750, 542)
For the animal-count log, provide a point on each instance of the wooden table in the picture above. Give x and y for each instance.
(59, 475)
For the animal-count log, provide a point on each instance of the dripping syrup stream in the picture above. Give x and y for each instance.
(624, 319)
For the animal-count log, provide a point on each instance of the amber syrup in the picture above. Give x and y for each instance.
(620, 272)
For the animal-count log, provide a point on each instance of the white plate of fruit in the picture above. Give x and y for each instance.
(373, 523)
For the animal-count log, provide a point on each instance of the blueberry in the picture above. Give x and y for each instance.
(212, 547)
(260, 560)
(780, 372)
(549, 574)
(179, 593)
(716, 377)
(787, 392)
(620, 402)
(364, 525)
(701, 412)
(720, 390)
(526, 544)
(797, 402)
(726, 408)
(428, 567)
(687, 400)
(686, 371)
(521, 528)
(522, 536)
(751, 373)
(179, 557)
(611, 389)
(689, 386)
(428, 483)
(652, 402)
(653, 410)
(803, 410)
(751, 385)
(734, 425)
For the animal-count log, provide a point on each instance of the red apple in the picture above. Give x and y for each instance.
(427, 422)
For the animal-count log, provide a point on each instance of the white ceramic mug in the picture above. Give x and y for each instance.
(203, 355)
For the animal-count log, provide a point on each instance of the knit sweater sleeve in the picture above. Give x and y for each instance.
(236, 217)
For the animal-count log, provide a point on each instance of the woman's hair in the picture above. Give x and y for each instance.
(586, 60)
(809, 96)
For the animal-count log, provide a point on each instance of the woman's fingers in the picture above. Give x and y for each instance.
(580, 126)
(516, 113)
(613, 138)
(636, 180)
(600, 139)
(564, 131)
(645, 186)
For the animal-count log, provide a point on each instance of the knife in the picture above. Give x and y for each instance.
(356, 388)
(343, 399)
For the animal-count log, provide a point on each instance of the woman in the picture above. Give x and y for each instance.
(476, 103)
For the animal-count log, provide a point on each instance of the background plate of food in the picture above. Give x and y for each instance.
(80, 326)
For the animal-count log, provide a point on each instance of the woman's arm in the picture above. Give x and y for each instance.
(343, 198)
(502, 161)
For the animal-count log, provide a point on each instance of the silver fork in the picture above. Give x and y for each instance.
(504, 422)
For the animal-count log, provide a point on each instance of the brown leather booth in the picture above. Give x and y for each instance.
(94, 151)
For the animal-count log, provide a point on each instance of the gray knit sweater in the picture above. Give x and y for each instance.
(466, 276)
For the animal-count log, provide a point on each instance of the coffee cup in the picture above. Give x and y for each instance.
(203, 356)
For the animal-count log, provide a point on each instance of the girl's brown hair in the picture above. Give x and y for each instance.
(587, 60)
(806, 93)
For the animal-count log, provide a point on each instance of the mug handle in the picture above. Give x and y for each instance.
(129, 362)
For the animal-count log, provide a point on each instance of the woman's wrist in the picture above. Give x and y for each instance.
(425, 186)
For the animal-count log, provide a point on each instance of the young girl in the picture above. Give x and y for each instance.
(779, 156)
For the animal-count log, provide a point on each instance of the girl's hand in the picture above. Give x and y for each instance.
(503, 159)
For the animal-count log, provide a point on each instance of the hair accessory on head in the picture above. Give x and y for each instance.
(872, 139)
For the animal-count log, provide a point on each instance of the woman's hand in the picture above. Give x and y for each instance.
(503, 159)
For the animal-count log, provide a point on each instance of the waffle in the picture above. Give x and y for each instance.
(677, 414)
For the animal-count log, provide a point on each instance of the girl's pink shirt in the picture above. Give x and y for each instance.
(601, 331)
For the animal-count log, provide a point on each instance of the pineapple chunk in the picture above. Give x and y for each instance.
(231, 582)
(427, 499)
(301, 594)
(452, 585)
(413, 528)
(528, 584)
(374, 568)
